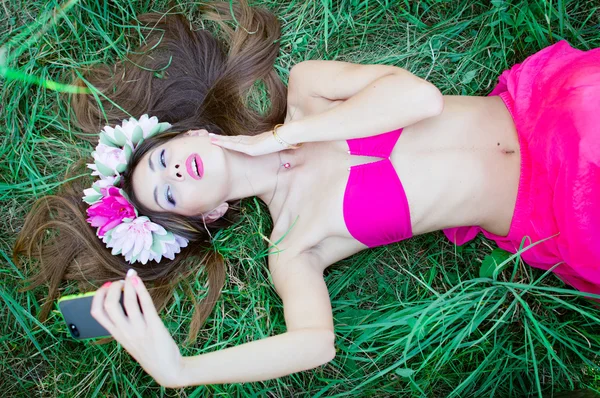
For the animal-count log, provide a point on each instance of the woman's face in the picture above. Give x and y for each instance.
(186, 175)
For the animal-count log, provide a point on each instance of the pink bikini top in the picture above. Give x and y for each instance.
(375, 205)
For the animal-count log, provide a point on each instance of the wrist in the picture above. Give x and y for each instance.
(288, 133)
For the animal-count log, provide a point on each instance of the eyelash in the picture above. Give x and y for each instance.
(162, 158)
(168, 194)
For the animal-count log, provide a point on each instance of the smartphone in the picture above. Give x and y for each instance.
(75, 310)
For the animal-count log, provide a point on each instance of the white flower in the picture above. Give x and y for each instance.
(133, 239)
(108, 161)
(116, 136)
(131, 132)
(142, 240)
(147, 124)
(170, 245)
(151, 126)
(104, 182)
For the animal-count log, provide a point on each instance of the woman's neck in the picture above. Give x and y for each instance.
(262, 176)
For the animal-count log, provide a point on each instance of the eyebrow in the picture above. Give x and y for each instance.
(150, 161)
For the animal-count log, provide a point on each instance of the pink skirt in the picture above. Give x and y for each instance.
(554, 99)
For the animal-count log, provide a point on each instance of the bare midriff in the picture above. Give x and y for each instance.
(461, 167)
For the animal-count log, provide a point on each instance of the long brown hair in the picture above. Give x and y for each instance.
(191, 80)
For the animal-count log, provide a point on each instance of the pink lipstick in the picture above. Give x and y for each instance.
(194, 166)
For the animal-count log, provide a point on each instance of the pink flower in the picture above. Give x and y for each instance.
(109, 211)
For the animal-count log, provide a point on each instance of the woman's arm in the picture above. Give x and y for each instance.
(308, 342)
(265, 359)
(369, 100)
(376, 99)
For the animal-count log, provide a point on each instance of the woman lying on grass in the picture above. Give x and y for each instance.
(367, 155)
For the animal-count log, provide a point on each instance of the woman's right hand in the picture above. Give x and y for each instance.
(140, 331)
(253, 145)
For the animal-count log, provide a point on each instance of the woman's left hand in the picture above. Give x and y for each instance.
(141, 332)
(253, 145)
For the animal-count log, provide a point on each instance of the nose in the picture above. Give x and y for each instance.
(176, 172)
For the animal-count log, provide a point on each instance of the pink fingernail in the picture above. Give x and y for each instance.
(107, 284)
(135, 280)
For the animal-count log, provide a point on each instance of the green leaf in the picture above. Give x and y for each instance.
(166, 237)
(159, 128)
(491, 261)
(127, 151)
(91, 199)
(137, 135)
(404, 372)
(155, 130)
(156, 246)
(164, 126)
(120, 138)
(487, 267)
(121, 167)
(452, 277)
(105, 139)
(104, 170)
(468, 77)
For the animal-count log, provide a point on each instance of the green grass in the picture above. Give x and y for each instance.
(412, 319)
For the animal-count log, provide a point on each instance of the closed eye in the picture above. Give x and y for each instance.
(169, 196)
(162, 158)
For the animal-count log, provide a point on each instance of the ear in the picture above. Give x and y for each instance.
(196, 133)
(216, 213)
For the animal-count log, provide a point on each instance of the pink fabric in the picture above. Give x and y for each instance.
(554, 99)
(375, 205)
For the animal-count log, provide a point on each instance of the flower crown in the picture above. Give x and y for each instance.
(119, 225)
